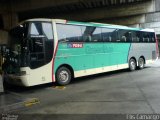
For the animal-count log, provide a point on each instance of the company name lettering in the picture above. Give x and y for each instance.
(75, 45)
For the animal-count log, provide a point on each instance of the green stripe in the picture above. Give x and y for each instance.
(92, 55)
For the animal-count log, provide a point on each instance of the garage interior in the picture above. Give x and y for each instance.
(134, 95)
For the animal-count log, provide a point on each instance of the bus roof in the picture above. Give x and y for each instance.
(90, 24)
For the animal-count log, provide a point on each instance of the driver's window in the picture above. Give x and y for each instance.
(36, 43)
(47, 29)
(34, 30)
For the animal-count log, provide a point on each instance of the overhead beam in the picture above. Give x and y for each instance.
(129, 20)
(111, 12)
(22, 5)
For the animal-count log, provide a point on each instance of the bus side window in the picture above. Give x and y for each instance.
(91, 34)
(114, 35)
(96, 35)
(109, 34)
(128, 36)
(86, 33)
(124, 35)
(146, 36)
(121, 35)
(123, 39)
(139, 36)
(69, 33)
(134, 37)
(152, 37)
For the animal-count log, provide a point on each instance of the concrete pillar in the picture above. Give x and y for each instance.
(9, 20)
(3, 37)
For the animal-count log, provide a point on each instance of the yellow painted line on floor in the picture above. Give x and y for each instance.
(31, 102)
(59, 87)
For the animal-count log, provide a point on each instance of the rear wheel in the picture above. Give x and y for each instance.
(63, 76)
(141, 63)
(132, 64)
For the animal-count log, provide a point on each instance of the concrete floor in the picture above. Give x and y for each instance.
(120, 92)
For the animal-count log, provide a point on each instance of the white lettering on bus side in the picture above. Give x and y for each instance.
(75, 45)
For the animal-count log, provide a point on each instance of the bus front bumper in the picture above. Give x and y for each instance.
(16, 80)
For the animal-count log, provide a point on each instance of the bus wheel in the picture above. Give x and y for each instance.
(63, 76)
(132, 64)
(141, 63)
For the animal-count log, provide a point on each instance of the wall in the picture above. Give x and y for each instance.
(3, 37)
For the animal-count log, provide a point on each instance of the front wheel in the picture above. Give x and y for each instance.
(132, 64)
(63, 76)
(141, 63)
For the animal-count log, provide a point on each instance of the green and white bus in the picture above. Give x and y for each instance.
(54, 50)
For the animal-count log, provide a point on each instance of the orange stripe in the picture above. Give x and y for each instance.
(54, 56)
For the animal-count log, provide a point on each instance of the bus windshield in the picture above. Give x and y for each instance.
(18, 44)
(32, 44)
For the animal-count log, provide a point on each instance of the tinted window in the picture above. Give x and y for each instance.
(96, 35)
(124, 35)
(145, 37)
(91, 34)
(152, 36)
(69, 33)
(109, 35)
(136, 36)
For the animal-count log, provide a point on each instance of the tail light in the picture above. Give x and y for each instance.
(157, 48)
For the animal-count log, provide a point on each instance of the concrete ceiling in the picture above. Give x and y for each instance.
(65, 9)
(52, 8)
(61, 8)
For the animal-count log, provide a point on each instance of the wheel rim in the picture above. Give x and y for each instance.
(64, 76)
(133, 65)
(141, 63)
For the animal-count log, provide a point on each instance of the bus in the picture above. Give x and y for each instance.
(55, 50)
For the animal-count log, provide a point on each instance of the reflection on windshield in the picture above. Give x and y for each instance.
(41, 30)
(32, 47)
(40, 43)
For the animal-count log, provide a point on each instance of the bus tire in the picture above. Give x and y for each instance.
(132, 64)
(141, 63)
(63, 76)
